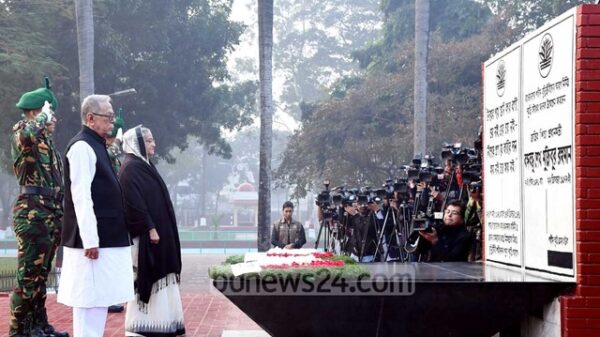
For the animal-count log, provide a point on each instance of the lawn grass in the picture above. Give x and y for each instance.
(8, 273)
(8, 264)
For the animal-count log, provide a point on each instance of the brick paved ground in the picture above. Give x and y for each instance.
(207, 313)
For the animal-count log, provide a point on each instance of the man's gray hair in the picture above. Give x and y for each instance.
(91, 104)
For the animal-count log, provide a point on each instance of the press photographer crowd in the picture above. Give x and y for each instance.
(430, 212)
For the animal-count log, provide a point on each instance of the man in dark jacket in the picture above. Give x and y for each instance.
(450, 241)
(287, 233)
(96, 271)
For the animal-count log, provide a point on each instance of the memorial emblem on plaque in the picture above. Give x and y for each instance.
(546, 53)
(500, 78)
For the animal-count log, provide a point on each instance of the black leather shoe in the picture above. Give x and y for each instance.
(37, 332)
(49, 331)
(116, 308)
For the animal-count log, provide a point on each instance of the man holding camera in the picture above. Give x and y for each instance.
(287, 233)
(450, 241)
(362, 242)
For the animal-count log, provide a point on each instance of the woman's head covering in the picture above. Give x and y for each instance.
(133, 142)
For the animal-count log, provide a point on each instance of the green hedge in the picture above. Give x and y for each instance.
(233, 259)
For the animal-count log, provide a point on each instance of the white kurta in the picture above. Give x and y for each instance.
(87, 283)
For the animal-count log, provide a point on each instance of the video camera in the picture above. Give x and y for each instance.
(475, 186)
(333, 201)
(424, 170)
(394, 189)
(324, 198)
(468, 158)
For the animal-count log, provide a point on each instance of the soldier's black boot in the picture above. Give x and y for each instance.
(13, 333)
(116, 308)
(22, 328)
(43, 328)
(49, 331)
(37, 332)
(19, 334)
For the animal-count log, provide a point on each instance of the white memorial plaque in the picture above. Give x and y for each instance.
(502, 172)
(548, 147)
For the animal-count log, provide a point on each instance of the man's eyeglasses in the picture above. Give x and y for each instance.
(110, 117)
(449, 212)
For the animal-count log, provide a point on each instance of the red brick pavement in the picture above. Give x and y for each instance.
(206, 315)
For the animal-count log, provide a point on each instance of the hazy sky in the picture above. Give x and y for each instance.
(248, 48)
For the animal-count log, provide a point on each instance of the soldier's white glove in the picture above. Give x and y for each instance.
(119, 136)
(47, 109)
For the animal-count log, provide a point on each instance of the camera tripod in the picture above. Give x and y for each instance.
(334, 236)
(399, 227)
(362, 232)
(327, 234)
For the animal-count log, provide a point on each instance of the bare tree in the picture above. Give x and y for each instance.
(84, 17)
(265, 50)
(420, 85)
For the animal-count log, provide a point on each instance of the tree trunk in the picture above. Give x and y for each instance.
(420, 85)
(84, 17)
(203, 192)
(265, 50)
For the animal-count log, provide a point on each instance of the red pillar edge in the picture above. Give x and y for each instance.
(580, 310)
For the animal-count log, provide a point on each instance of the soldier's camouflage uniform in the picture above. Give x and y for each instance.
(115, 153)
(36, 220)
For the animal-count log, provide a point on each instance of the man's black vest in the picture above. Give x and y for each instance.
(106, 196)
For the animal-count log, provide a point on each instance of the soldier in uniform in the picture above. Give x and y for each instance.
(115, 153)
(114, 146)
(37, 214)
(287, 233)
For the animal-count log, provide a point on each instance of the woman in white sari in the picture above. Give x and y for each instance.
(157, 310)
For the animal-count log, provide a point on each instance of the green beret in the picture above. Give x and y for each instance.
(36, 99)
(119, 124)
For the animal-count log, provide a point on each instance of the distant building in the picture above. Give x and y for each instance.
(245, 199)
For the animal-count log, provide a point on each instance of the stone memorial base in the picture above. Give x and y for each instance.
(421, 299)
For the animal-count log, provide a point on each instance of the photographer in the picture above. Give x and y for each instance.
(362, 239)
(450, 241)
(375, 226)
(451, 182)
(473, 219)
(474, 206)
